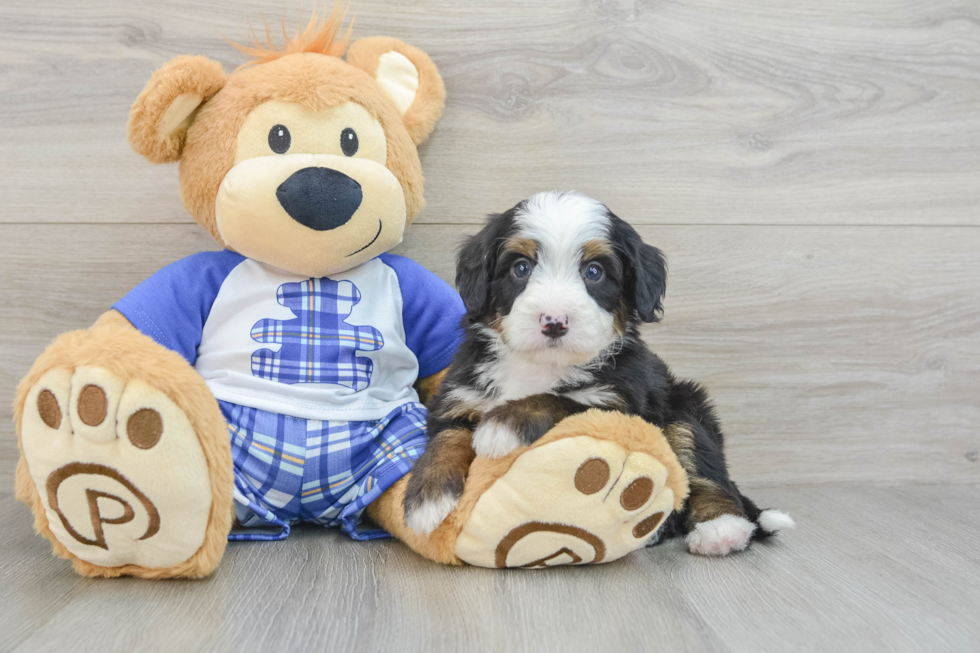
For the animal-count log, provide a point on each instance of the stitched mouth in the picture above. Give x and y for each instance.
(369, 244)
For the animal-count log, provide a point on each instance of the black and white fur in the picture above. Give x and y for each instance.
(555, 291)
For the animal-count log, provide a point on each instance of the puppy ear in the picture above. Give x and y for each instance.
(646, 270)
(160, 116)
(476, 264)
(409, 78)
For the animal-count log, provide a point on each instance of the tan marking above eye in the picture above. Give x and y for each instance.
(596, 248)
(524, 246)
(311, 132)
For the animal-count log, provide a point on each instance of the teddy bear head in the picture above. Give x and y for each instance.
(300, 159)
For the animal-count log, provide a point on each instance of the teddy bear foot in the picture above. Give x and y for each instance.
(118, 477)
(574, 498)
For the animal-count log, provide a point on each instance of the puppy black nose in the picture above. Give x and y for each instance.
(554, 330)
(553, 326)
(320, 198)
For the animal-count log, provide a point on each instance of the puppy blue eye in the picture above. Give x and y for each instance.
(348, 141)
(522, 269)
(593, 272)
(279, 139)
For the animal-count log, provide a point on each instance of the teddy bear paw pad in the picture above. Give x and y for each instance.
(577, 500)
(119, 470)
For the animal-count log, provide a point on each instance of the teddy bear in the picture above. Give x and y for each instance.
(283, 377)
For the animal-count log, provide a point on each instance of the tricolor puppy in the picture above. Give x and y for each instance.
(555, 291)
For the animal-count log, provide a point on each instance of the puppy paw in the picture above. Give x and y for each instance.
(720, 536)
(493, 439)
(433, 491)
(425, 515)
(773, 521)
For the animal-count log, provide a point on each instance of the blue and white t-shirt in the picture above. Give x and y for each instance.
(348, 347)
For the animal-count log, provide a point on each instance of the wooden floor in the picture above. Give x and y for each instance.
(812, 170)
(869, 569)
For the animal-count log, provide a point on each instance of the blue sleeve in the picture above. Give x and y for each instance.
(432, 313)
(173, 304)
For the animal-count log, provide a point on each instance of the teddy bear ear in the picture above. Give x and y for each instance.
(409, 78)
(160, 116)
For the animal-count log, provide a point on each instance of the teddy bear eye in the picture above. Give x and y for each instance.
(348, 141)
(279, 139)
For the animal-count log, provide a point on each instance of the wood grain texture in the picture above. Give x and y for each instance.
(869, 569)
(810, 168)
(849, 354)
(698, 111)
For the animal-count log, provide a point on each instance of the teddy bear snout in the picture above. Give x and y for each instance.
(320, 198)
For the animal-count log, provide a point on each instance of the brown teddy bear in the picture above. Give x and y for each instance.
(282, 379)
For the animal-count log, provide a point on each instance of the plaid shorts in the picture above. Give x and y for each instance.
(289, 469)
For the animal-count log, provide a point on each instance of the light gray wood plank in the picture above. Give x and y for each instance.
(861, 574)
(696, 111)
(869, 569)
(846, 357)
(840, 355)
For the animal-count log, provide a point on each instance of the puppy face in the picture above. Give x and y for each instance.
(560, 278)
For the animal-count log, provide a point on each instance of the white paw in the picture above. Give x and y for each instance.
(118, 468)
(773, 521)
(493, 440)
(720, 536)
(427, 517)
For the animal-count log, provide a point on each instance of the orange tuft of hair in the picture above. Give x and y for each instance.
(319, 36)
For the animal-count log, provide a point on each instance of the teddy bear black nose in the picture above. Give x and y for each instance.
(320, 198)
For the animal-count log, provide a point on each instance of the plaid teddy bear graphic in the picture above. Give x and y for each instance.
(317, 345)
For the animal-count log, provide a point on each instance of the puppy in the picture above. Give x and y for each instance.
(555, 291)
